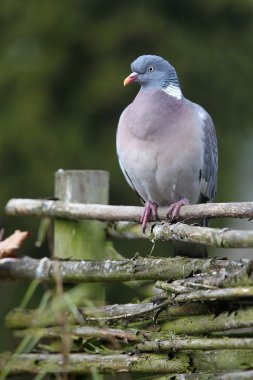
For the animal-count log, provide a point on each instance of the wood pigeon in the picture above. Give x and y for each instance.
(166, 144)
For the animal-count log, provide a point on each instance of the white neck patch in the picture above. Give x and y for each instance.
(174, 91)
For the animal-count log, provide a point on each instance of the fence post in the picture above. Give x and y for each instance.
(81, 240)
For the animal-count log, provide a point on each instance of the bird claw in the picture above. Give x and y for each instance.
(174, 208)
(150, 208)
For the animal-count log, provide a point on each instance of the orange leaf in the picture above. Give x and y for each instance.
(11, 244)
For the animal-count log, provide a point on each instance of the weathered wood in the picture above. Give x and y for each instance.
(216, 237)
(215, 360)
(216, 375)
(83, 363)
(208, 294)
(224, 238)
(69, 210)
(220, 278)
(138, 268)
(146, 341)
(205, 324)
(190, 305)
(185, 319)
(221, 360)
(75, 239)
(83, 332)
(160, 342)
(101, 315)
(81, 240)
(192, 320)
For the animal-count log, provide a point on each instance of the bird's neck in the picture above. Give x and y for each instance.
(173, 90)
(172, 87)
(169, 85)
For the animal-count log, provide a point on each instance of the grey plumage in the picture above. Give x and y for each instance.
(166, 144)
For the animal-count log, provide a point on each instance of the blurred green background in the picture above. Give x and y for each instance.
(62, 65)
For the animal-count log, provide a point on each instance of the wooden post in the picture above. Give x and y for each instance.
(81, 240)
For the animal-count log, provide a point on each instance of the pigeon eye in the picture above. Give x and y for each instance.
(151, 68)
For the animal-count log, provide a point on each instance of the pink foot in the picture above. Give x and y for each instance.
(175, 207)
(150, 208)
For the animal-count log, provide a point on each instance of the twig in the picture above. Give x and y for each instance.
(148, 341)
(82, 363)
(138, 268)
(224, 238)
(181, 232)
(158, 342)
(58, 209)
(207, 295)
(216, 237)
(19, 318)
(185, 324)
(222, 278)
(186, 318)
(80, 331)
(205, 324)
(219, 360)
(242, 375)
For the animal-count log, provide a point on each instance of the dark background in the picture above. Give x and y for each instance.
(62, 66)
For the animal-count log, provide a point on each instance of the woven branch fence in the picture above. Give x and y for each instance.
(196, 323)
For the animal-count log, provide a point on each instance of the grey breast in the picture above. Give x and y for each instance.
(161, 144)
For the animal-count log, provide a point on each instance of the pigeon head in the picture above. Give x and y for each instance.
(152, 71)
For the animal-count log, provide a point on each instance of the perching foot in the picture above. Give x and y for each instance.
(150, 208)
(175, 207)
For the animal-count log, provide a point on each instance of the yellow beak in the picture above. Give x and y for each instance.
(131, 78)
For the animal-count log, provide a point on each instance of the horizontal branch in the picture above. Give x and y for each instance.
(205, 324)
(148, 341)
(82, 363)
(219, 360)
(133, 312)
(224, 238)
(59, 209)
(79, 331)
(187, 319)
(158, 342)
(242, 375)
(209, 294)
(138, 268)
(215, 237)
(221, 278)
(191, 318)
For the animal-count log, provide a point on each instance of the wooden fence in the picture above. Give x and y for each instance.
(196, 325)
